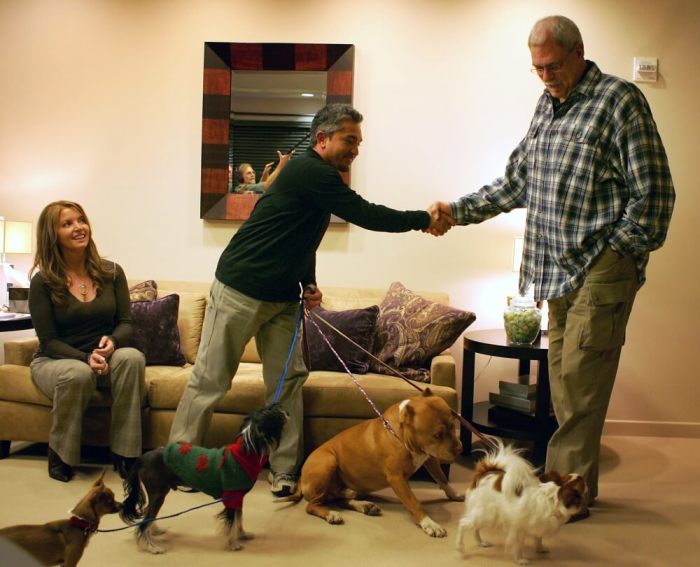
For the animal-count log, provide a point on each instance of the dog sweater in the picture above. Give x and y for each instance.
(228, 472)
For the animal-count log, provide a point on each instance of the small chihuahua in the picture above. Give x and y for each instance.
(228, 472)
(62, 542)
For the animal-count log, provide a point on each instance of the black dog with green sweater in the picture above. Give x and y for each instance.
(228, 472)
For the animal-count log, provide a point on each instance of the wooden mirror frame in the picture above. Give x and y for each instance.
(220, 59)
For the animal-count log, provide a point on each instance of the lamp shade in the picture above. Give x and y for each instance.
(17, 237)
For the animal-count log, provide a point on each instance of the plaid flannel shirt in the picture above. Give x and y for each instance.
(591, 172)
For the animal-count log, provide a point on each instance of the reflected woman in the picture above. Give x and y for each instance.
(81, 312)
(246, 175)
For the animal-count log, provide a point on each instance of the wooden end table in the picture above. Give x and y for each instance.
(538, 426)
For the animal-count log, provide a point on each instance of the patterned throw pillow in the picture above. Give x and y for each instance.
(357, 324)
(412, 330)
(144, 291)
(155, 330)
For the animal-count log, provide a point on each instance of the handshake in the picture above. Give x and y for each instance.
(440, 218)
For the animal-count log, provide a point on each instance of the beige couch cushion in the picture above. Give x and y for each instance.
(16, 386)
(189, 321)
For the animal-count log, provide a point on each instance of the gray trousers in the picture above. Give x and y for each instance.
(586, 334)
(70, 384)
(230, 321)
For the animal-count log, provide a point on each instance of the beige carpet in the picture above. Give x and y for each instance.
(648, 514)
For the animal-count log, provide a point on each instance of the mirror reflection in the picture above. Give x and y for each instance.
(258, 99)
(271, 111)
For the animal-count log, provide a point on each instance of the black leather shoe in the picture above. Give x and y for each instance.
(122, 464)
(58, 470)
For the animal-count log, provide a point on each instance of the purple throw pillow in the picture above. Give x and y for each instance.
(155, 330)
(411, 330)
(357, 324)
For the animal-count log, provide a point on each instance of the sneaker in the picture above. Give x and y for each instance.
(283, 484)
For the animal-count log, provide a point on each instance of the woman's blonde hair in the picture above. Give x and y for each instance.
(49, 261)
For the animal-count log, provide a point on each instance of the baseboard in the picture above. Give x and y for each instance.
(19, 445)
(652, 428)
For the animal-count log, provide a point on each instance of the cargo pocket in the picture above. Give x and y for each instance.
(609, 306)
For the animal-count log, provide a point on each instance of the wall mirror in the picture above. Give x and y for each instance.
(259, 98)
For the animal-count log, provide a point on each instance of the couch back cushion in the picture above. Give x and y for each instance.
(341, 299)
(190, 319)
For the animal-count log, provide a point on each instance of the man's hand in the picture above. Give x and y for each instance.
(440, 218)
(312, 296)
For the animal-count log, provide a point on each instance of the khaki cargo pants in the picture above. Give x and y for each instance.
(586, 334)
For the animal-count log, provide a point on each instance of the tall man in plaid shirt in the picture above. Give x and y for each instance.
(593, 175)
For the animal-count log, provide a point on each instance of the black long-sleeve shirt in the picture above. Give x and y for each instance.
(275, 249)
(74, 329)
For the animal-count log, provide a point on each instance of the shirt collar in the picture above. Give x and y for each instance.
(583, 88)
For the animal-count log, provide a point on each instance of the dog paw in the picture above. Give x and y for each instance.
(371, 509)
(334, 518)
(483, 543)
(452, 494)
(245, 535)
(522, 561)
(432, 528)
(154, 549)
(234, 546)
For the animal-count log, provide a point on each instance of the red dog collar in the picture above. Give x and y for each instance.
(86, 525)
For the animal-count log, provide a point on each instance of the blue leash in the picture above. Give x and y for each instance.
(278, 390)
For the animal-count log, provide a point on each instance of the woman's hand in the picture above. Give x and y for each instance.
(98, 363)
(105, 348)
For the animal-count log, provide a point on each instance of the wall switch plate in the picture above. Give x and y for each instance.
(645, 69)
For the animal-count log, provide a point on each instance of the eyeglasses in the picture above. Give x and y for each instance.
(552, 68)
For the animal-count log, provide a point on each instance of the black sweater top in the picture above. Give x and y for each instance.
(275, 249)
(74, 329)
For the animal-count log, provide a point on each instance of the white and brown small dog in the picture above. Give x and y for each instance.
(228, 472)
(62, 542)
(507, 494)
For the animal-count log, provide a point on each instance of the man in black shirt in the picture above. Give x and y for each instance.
(260, 274)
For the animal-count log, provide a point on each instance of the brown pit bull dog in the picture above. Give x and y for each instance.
(368, 457)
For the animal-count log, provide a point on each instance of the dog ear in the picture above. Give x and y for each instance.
(406, 412)
(427, 392)
(100, 479)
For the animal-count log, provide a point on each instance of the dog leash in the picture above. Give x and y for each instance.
(462, 420)
(148, 521)
(385, 422)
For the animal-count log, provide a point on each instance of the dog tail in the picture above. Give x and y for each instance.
(295, 497)
(133, 507)
(518, 473)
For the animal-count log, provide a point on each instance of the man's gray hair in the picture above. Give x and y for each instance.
(560, 28)
(330, 117)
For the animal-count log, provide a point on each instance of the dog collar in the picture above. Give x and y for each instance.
(87, 526)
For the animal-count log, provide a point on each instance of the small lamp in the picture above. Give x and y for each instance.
(15, 238)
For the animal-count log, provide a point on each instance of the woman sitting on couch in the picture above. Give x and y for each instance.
(81, 312)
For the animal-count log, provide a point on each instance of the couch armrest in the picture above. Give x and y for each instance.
(21, 351)
(442, 370)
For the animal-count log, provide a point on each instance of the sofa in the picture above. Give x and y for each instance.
(332, 401)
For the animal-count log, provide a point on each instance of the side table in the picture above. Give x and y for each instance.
(537, 427)
(15, 321)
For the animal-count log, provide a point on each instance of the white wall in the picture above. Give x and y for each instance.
(100, 102)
